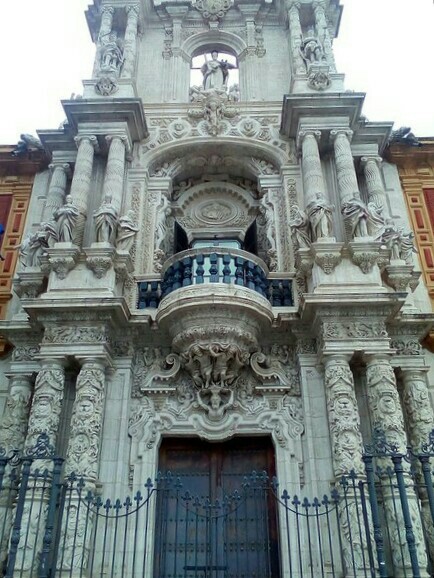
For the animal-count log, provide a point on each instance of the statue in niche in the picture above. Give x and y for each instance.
(319, 213)
(300, 228)
(216, 73)
(66, 218)
(105, 218)
(311, 50)
(161, 228)
(127, 230)
(111, 54)
(234, 93)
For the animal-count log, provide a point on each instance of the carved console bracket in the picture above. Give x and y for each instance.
(28, 284)
(62, 258)
(364, 254)
(399, 275)
(123, 265)
(328, 254)
(99, 258)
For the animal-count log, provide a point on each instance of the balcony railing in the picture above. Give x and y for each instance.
(232, 267)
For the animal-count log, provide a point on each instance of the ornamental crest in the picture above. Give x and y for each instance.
(212, 10)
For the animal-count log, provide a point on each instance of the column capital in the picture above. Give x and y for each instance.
(318, 5)
(381, 357)
(371, 158)
(305, 132)
(335, 133)
(91, 138)
(132, 10)
(106, 9)
(65, 167)
(343, 358)
(290, 4)
(123, 138)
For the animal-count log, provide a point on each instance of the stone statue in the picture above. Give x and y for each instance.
(404, 135)
(215, 72)
(319, 213)
(311, 49)
(66, 217)
(111, 54)
(162, 226)
(32, 248)
(105, 219)
(390, 238)
(406, 247)
(234, 93)
(127, 230)
(26, 144)
(356, 216)
(376, 221)
(50, 230)
(300, 228)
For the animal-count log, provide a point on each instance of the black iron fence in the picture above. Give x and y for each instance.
(380, 524)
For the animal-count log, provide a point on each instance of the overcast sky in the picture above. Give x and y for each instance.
(385, 48)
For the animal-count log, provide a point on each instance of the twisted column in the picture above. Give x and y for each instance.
(56, 190)
(345, 171)
(324, 33)
(130, 42)
(114, 173)
(313, 180)
(82, 459)
(80, 186)
(374, 182)
(293, 8)
(387, 416)
(104, 31)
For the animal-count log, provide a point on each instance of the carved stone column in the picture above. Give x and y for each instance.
(313, 179)
(114, 173)
(47, 402)
(82, 459)
(80, 187)
(56, 190)
(86, 423)
(15, 419)
(374, 182)
(130, 41)
(420, 422)
(104, 31)
(324, 33)
(347, 450)
(293, 7)
(386, 415)
(344, 419)
(346, 173)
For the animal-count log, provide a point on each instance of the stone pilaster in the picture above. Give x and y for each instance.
(56, 190)
(293, 8)
(313, 180)
(81, 181)
(324, 33)
(47, 402)
(345, 171)
(104, 31)
(387, 416)
(344, 419)
(374, 182)
(86, 423)
(114, 174)
(130, 44)
(15, 419)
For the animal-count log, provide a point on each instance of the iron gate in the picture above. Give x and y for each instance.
(375, 526)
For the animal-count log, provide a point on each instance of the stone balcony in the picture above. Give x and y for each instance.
(206, 269)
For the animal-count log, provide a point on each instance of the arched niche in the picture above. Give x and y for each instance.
(213, 40)
(215, 208)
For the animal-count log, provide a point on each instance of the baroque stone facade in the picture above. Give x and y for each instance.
(209, 265)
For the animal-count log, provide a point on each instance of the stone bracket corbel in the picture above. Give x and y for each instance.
(327, 255)
(364, 254)
(99, 258)
(399, 275)
(28, 283)
(63, 258)
(269, 372)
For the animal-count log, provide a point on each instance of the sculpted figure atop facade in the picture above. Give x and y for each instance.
(66, 217)
(105, 222)
(311, 49)
(215, 72)
(319, 212)
(111, 54)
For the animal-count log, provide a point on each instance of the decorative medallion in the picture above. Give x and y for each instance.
(213, 10)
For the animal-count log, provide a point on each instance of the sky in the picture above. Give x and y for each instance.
(385, 48)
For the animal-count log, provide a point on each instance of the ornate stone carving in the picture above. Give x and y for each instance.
(319, 212)
(106, 84)
(13, 427)
(126, 232)
(418, 408)
(215, 107)
(25, 352)
(407, 346)
(74, 334)
(85, 435)
(66, 219)
(318, 79)
(344, 419)
(327, 255)
(105, 219)
(300, 228)
(212, 10)
(354, 329)
(99, 265)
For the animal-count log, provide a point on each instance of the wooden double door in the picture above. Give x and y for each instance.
(216, 515)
